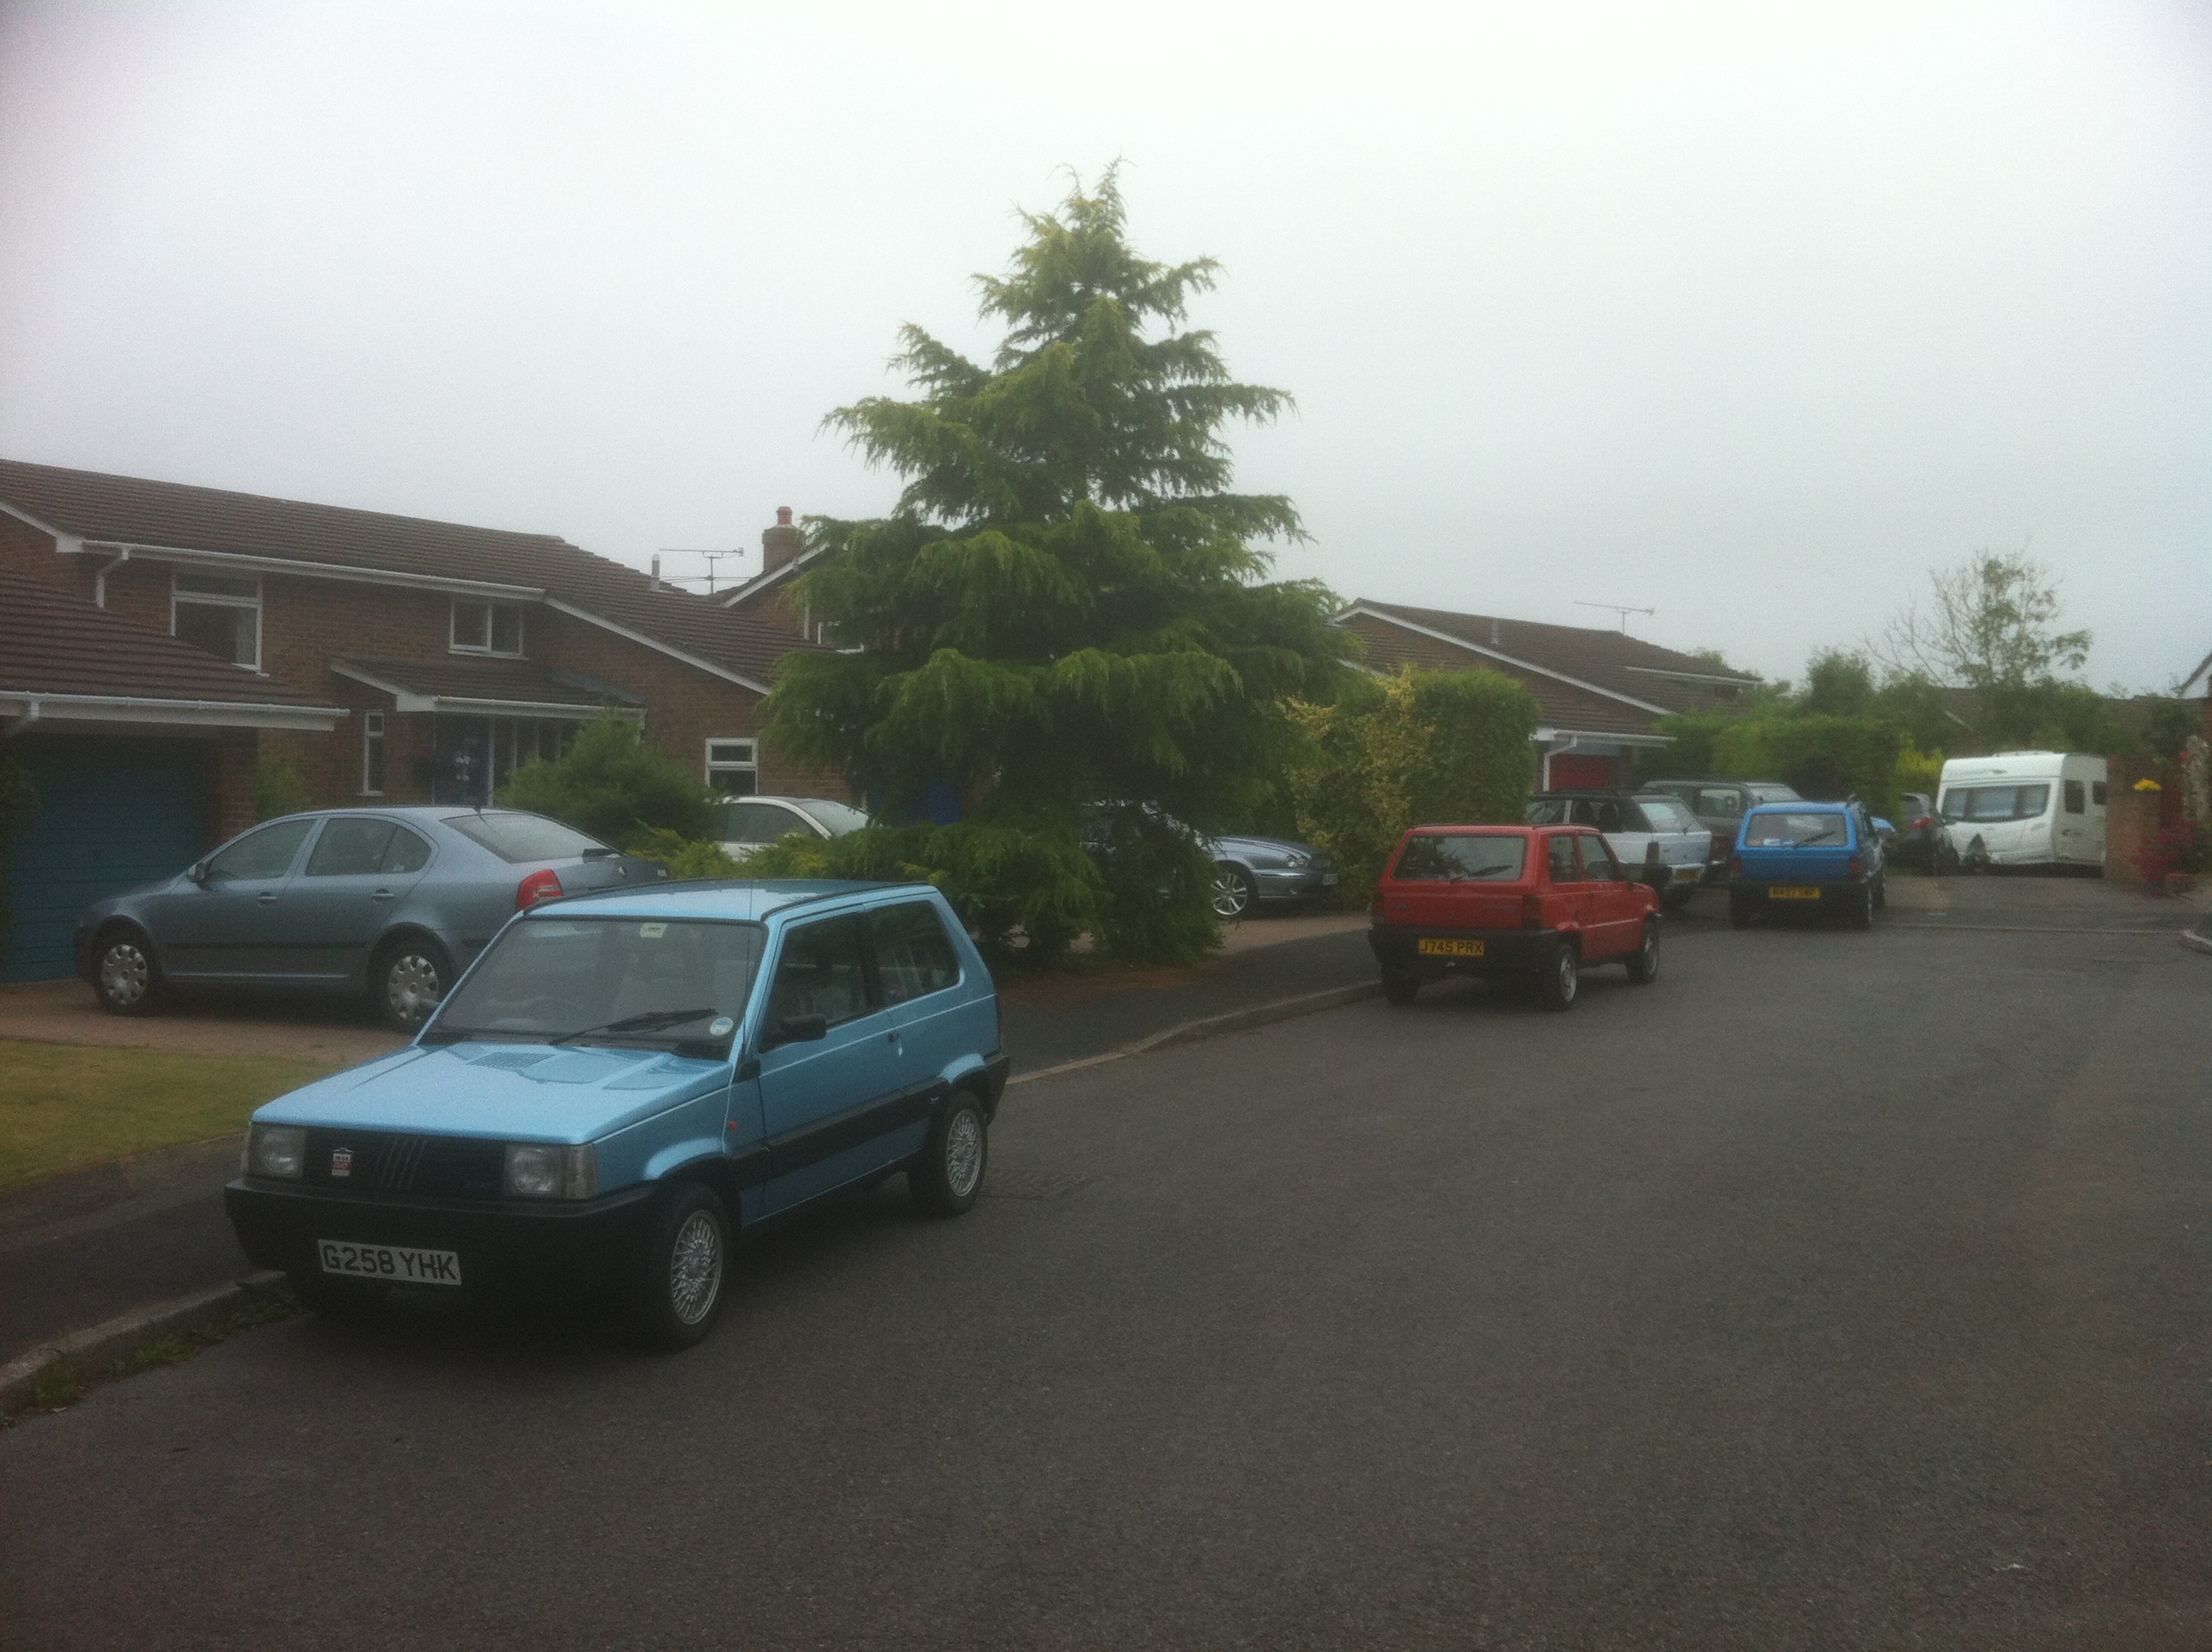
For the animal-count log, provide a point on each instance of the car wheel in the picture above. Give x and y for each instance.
(1401, 986)
(948, 1173)
(1560, 980)
(1233, 893)
(1644, 963)
(679, 1287)
(1862, 909)
(407, 980)
(318, 1293)
(1740, 916)
(1976, 858)
(125, 976)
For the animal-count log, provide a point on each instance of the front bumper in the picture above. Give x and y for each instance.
(507, 1244)
(1505, 952)
(1293, 883)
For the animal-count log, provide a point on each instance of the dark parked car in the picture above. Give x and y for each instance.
(392, 903)
(1719, 805)
(1920, 841)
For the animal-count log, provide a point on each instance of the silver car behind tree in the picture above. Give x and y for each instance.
(391, 904)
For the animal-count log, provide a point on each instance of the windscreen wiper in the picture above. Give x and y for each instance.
(1816, 837)
(651, 1021)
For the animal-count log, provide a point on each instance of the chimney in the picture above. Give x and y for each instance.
(656, 574)
(779, 543)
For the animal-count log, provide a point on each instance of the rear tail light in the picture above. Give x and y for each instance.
(539, 886)
(1736, 866)
(1858, 867)
(1532, 912)
(1923, 823)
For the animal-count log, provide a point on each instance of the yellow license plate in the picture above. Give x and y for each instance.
(1451, 949)
(1793, 892)
(1688, 874)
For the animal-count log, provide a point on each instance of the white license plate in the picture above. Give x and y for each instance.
(394, 1264)
(1327, 879)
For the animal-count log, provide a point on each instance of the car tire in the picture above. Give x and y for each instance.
(1401, 986)
(330, 1298)
(1233, 895)
(126, 977)
(1860, 914)
(948, 1174)
(678, 1292)
(1559, 983)
(1644, 963)
(1975, 858)
(407, 980)
(1740, 916)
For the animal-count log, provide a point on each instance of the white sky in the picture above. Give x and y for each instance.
(1751, 315)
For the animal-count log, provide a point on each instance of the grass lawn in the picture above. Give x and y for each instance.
(66, 1106)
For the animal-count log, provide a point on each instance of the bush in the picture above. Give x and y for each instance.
(612, 785)
(1419, 749)
(278, 788)
(1824, 757)
(1153, 883)
(1023, 892)
(19, 802)
(685, 857)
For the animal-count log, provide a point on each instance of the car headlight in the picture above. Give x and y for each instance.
(277, 1150)
(549, 1170)
(1298, 860)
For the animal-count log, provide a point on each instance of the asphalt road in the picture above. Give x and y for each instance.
(1839, 1290)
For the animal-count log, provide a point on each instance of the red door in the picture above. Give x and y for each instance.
(1568, 770)
(1613, 917)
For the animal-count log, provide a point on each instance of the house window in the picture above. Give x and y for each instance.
(487, 628)
(219, 615)
(372, 753)
(733, 766)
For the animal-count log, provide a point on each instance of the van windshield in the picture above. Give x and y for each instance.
(1448, 860)
(1991, 803)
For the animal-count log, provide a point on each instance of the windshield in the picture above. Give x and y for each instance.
(1666, 815)
(1780, 830)
(1484, 855)
(839, 818)
(519, 837)
(612, 981)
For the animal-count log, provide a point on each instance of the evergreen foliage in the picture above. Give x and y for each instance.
(1067, 606)
(612, 785)
(278, 788)
(19, 802)
(1423, 748)
(1823, 757)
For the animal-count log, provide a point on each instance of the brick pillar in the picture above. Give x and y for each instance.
(2131, 817)
(230, 785)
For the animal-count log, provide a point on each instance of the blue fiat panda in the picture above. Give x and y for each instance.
(621, 1082)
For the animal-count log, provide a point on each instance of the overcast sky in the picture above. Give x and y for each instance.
(1749, 318)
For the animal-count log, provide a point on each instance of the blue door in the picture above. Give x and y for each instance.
(112, 815)
(831, 1106)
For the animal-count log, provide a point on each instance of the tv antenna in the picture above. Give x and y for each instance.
(1621, 609)
(711, 556)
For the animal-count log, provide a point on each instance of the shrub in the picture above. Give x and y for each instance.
(609, 783)
(1831, 757)
(1918, 770)
(278, 788)
(1419, 749)
(685, 857)
(1153, 882)
(1023, 892)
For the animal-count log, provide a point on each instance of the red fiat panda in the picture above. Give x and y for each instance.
(1533, 903)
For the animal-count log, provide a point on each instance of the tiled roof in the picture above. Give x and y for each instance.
(1562, 705)
(460, 678)
(54, 643)
(129, 510)
(1609, 660)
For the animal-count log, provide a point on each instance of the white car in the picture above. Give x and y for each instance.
(752, 823)
(1649, 831)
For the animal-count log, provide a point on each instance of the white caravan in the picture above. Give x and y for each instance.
(2024, 808)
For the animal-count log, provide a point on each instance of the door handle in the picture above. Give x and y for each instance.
(380, 895)
(267, 899)
(890, 1038)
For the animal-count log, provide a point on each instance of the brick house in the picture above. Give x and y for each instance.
(385, 658)
(1600, 694)
(767, 596)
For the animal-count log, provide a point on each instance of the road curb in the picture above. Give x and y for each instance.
(2195, 942)
(103, 1344)
(1190, 1032)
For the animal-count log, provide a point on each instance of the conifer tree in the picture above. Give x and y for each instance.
(1067, 605)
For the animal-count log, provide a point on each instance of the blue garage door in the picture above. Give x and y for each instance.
(112, 813)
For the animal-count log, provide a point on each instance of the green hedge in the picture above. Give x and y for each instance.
(612, 785)
(1824, 757)
(1419, 749)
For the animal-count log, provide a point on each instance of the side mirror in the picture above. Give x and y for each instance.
(1885, 828)
(197, 872)
(796, 1029)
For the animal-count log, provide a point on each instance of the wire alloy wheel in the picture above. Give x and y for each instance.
(1570, 971)
(963, 1153)
(1232, 895)
(694, 1268)
(124, 974)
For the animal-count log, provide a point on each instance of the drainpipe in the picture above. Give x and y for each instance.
(32, 711)
(99, 579)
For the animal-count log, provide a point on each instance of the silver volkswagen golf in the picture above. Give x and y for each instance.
(389, 903)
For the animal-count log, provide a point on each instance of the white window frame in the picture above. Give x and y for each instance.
(371, 738)
(179, 596)
(725, 765)
(492, 612)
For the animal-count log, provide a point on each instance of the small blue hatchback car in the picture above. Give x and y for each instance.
(1808, 857)
(622, 1081)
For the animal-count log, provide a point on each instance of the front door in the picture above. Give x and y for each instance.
(359, 870)
(1612, 913)
(828, 1103)
(231, 923)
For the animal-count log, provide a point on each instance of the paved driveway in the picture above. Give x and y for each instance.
(1840, 1290)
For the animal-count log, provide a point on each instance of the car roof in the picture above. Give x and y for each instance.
(1798, 806)
(1501, 830)
(725, 898)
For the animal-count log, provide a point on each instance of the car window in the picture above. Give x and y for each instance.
(405, 853)
(265, 853)
(1667, 816)
(1598, 864)
(351, 847)
(820, 972)
(1547, 811)
(2097, 792)
(1487, 855)
(1561, 851)
(1720, 800)
(914, 958)
(839, 818)
(1782, 829)
(548, 977)
(519, 837)
(757, 822)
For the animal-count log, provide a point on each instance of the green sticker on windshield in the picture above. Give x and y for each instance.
(651, 931)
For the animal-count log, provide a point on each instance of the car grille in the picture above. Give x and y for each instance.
(381, 1162)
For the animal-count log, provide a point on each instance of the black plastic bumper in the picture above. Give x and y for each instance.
(1505, 952)
(504, 1244)
(995, 1071)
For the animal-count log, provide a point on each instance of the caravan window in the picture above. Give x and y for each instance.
(1996, 803)
(2076, 803)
